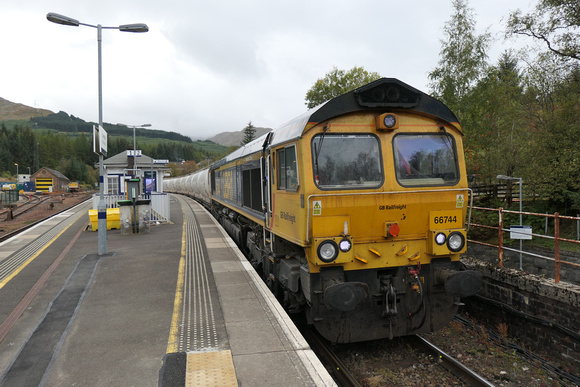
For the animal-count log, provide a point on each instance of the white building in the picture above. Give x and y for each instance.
(120, 168)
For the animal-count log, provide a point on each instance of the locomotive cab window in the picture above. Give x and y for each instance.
(425, 159)
(347, 161)
(287, 170)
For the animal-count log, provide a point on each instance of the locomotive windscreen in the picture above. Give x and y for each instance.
(425, 159)
(347, 161)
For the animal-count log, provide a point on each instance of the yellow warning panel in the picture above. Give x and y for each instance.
(210, 369)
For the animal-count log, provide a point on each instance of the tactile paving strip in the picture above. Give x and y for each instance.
(210, 369)
(198, 321)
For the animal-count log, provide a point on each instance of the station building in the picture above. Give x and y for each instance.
(49, 180)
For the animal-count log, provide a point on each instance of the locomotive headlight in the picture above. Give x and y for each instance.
(456, 241)
(440, 238)
(387, 121)
(327, 251)
(344, 245)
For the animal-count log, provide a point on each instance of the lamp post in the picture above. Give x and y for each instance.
(139, 27)
(504, 177)
(16, 172)
(135, 142)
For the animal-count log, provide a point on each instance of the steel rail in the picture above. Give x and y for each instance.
(467, 375)
(335, 367)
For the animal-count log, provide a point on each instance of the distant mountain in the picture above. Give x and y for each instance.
(235, 138)
(62, 122)
(17, 111)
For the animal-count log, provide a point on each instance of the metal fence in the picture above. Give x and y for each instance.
(525, 232)
(10, 196)
(159, 204)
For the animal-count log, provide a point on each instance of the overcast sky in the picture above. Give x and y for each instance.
(212, 66)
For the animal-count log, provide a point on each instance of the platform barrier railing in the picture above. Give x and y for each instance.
(500, 229)
(159, 204)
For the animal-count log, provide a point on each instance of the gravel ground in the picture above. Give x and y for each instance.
(396, 363)
(41, 211)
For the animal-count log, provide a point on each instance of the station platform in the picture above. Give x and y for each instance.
(176, 306)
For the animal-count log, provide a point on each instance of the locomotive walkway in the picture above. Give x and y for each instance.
(178, 306)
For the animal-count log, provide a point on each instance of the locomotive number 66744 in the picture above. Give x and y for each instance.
(354, 212)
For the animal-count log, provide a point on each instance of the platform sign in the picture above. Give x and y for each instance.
(99, 140)
(521, 232)
(95, 139)
(103, 140)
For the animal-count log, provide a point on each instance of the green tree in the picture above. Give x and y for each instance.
(495, 115)
(553, 22)
(249, 134)
(462, 58)
(553, 108)
(5, 155)
(338, 82)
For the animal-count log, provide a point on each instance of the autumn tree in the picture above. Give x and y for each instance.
(462, 60)
(556, 23)
(338, 82)
(553, 108)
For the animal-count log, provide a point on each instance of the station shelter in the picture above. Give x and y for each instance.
(128, 166)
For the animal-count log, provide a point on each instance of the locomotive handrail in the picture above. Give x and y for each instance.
(385, 193)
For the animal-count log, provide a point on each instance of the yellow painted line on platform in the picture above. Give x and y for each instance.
(173, 342)
(210, 369)
(21, 267)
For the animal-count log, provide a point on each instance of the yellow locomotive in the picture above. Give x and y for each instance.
(354, 212)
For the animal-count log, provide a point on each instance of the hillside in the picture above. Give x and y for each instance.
(17, 111)
(61, 122)
(235, 138)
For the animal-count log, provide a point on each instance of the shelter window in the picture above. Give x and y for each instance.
(113, 185)
(347, 161)
(287, 169)
(425, 159)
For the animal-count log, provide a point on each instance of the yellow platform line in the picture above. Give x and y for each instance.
(173, 341)
(27, 262)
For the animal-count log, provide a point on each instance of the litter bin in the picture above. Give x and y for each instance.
(134, 216)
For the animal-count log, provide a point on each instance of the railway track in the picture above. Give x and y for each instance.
(33, 203)
(334, 365)
(344, 378)
(467, 375)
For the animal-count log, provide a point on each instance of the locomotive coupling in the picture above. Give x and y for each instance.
(459, 283)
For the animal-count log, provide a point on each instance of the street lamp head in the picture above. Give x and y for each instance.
(60, 19)
(504, 177)
(138, 27)
(134, 126)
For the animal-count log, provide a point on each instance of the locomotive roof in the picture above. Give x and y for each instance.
(380, 94)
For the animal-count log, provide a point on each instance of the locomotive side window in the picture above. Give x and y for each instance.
(425, 159)
(252, 188)
(287, 170)
(347, 161)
